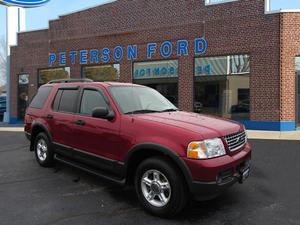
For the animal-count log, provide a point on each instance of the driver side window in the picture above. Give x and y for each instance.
(90, 100)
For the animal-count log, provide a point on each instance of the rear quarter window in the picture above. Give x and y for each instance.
(40, 98)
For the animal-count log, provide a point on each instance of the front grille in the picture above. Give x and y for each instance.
(236, 141)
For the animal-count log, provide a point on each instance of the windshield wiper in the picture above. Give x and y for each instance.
(169, 110)
(142, 111)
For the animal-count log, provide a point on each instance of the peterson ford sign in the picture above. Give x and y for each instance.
(165, 50)
(24, 3)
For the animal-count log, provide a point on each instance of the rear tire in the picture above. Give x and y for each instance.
(160, 187)
(43, 150)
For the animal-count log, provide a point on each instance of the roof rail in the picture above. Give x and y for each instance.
(70, 81)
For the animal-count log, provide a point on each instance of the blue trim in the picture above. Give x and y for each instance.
(13, 120)
(270, 125)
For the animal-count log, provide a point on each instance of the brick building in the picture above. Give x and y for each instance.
(231, 58)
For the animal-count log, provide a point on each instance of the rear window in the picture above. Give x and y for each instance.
(39, 100)
(65, 101)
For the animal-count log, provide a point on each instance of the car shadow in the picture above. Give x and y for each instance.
(193, 211)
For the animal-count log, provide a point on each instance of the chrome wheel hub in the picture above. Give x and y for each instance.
(156, 188)
(41, 149)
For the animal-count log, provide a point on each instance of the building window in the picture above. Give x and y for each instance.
(222, 65)
(46, 75)
(239, 64)
(222, 86)
(215, 2)
(102, 73)
(159, 75)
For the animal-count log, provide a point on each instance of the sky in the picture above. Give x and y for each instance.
(38, 18)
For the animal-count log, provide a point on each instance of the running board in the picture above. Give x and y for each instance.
(88, 169)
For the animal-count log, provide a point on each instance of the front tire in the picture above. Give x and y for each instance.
(160, 187)
(43, 150)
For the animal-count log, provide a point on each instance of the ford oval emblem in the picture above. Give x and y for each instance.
(24, 3)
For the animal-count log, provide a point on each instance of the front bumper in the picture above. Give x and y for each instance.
(211, 177)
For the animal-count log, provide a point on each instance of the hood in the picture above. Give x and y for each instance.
(206, 125)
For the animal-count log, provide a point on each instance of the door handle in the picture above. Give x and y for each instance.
(50, 117)
(80, 122)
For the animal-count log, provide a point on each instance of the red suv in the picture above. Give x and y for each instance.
(131, 134)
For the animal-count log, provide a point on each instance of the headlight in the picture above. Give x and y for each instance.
(206, 149)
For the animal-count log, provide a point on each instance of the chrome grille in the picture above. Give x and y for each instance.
(236, 141)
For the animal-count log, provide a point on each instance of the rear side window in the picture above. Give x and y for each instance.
(57, 100)
(67, 100)
(39, 100)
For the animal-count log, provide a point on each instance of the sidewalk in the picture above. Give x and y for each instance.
(274, 135)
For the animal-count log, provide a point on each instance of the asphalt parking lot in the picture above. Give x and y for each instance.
(62, 195)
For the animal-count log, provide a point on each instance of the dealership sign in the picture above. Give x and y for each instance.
(24, 3)
(131, 52)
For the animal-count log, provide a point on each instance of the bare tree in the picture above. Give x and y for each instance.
(2, 61)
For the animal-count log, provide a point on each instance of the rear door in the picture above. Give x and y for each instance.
(94, 136)
(61, 117)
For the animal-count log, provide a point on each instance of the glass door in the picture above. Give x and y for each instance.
(297, 63)
(298, 98)
(23, 82)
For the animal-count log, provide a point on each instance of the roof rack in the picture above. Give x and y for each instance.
(70, 81)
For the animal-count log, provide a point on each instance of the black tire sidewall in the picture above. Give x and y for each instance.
(178, 193)
(49, 159)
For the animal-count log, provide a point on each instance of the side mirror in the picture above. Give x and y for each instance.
(102, 113)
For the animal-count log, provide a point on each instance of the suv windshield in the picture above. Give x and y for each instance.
(138, 100)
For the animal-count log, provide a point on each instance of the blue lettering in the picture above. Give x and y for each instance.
(62, 58)
(166, 49)
(200, 46)
(151, 49)
(118, 53)
(156, 71)
(208, 69)
(172, 71)
(136, 73)
(199, 70)
(94, 56)
(148, 72)
(132, 52)
(73, 55)
(182, 47)
(105, 55)
(142, 72)
(164, 71)
(83, 56)
(52, 59)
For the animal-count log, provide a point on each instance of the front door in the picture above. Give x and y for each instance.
(95, 137)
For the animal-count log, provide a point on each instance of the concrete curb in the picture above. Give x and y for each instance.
(11, 129)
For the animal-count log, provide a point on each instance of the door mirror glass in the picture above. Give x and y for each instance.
(102, 113)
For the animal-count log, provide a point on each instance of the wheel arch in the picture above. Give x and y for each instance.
(143, 151)
(36, 129)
